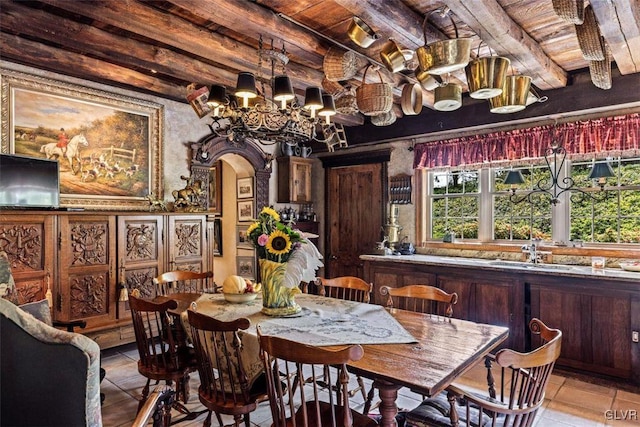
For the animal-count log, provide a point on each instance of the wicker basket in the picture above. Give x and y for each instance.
(346, 104)
(374, 98)
(340, 64)
(570, 10)
(601, 72)
(384, 119)
(332, 88)
(589, 37)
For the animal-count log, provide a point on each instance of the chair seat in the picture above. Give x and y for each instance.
(359, 420)
(434, 412)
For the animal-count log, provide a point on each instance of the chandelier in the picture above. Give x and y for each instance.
(553, 186)
(250, 114)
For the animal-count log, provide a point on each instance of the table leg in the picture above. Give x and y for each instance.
(388, 393)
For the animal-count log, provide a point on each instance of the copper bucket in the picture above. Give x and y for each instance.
(485, 76)
(448, 97)
(513, 97)
(392, 56)
(443, 56)
(361, 33)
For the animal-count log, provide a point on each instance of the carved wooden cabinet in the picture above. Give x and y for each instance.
(149, 245)
(85, 258)
(294, 179)
(30, 242)
(86, 274)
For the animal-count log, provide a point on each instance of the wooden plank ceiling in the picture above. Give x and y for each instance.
(160, 46)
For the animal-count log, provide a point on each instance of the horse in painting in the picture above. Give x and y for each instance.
(73, 152)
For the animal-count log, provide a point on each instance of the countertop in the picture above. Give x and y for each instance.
(502, 265)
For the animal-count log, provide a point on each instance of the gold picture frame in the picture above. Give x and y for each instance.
(116, 164)
(215, 188)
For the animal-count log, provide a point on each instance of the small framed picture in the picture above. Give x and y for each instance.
(217, 237)
(246, 267)
(242, 240)
(245, 188)
(245, 210)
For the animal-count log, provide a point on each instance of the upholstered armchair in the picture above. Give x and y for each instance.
(48, 375)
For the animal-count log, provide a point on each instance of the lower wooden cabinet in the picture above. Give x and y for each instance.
(86, 258)
(597, 317)
(596, 320)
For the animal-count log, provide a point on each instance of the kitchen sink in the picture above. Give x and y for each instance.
(531, 265)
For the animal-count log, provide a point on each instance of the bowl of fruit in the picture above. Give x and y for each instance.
(237, 289)
(631, 265)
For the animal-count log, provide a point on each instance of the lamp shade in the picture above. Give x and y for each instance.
(246, 85)
(329, 106)
(282, 89)
(601, 170)
(217, 96)
(313, 98)
(514, 177)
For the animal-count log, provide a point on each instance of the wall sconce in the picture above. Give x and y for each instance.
(553, 186)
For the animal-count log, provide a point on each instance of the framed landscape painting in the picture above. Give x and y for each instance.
(108, 146)
(245, 188)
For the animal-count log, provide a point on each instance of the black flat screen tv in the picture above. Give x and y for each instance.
(29, 182)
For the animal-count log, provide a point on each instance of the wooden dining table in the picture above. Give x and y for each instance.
(442, 350)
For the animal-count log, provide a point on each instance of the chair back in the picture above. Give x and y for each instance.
(420, 298)
(525, 375)
(224, 383)
(345, 287)
(50, 376)
(302, 406)
(179, 281)
(155, 339)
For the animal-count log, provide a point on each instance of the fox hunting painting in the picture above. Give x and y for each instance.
(108, 146)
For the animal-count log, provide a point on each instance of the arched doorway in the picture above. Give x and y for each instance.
(211, 148)
(233, 162)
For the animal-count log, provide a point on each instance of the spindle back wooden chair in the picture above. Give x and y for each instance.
(224, 385)
(521, 389)
(297, 405)
(180, 281)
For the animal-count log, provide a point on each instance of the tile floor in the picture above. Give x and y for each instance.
(570, 402)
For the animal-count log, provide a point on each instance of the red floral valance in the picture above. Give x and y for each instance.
(608, 136)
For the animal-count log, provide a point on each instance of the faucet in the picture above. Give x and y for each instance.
(532, 251)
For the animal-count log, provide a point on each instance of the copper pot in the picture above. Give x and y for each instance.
(448, 97)
(443, 56)
(513, 97)
(392, 56)
(485, 76)
(361, 33)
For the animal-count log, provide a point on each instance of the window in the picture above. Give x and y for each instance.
(480, 208)
(454, 203)
(524, 220)
(616, 219)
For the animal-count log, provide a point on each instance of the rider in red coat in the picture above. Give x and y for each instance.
(62, 141)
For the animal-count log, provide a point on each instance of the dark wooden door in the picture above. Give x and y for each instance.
(355, 214)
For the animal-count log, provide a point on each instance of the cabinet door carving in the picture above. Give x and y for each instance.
(29, 243)
(187, 237)
(140, 254)
(86, 271)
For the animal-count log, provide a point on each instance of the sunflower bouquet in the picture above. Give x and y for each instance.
(286, 259)
(273, 239)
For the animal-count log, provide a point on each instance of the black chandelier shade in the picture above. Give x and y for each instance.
(601, 170)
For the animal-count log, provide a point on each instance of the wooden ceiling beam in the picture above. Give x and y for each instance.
(489, 20)
(253, 20)
(37, 24)
(171, 30)
(619, 23)
(62, 61)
